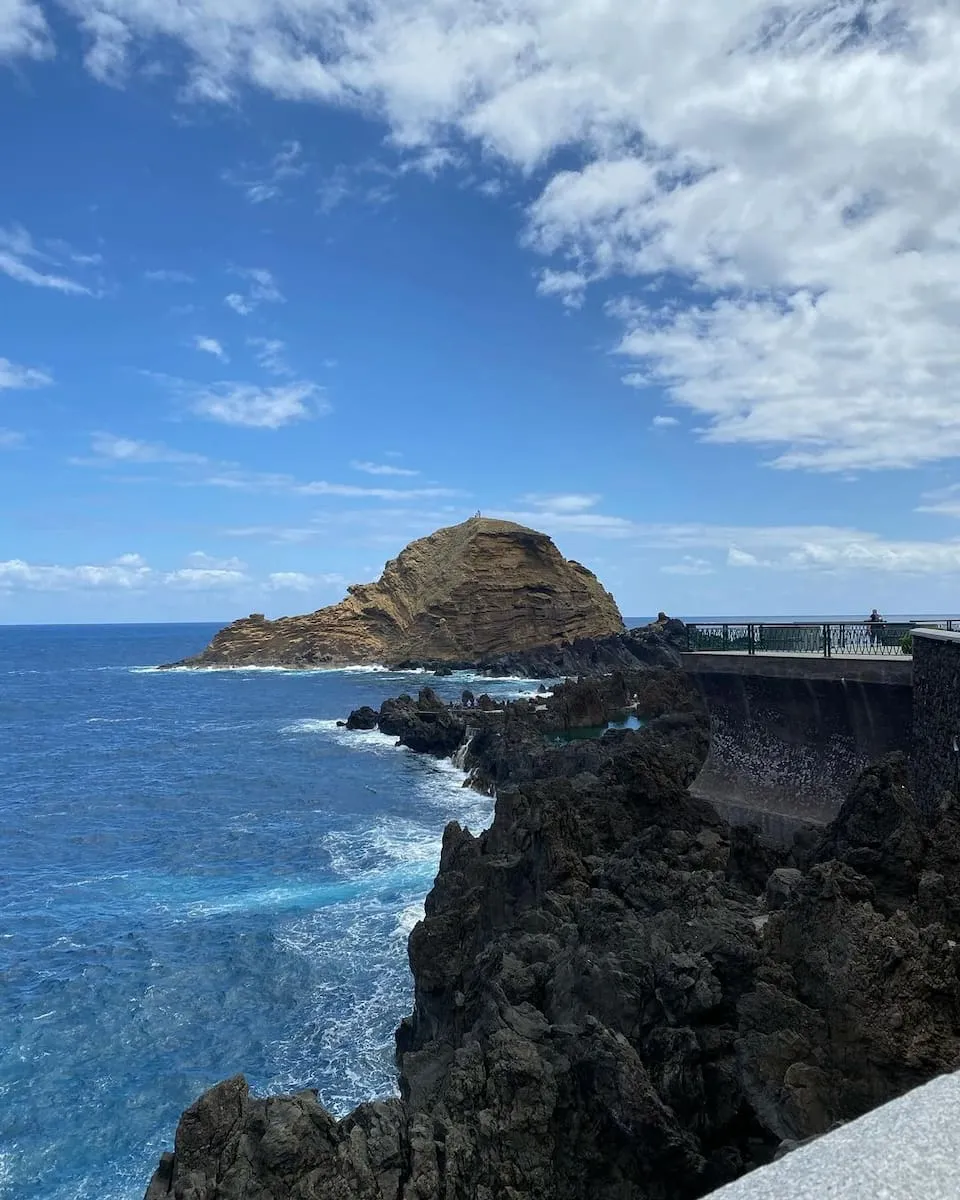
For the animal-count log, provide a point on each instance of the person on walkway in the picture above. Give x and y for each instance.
(875, 623)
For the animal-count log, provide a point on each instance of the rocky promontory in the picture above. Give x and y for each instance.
(479, 590)
(617, 996)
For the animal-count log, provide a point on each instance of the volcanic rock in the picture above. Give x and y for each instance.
(364, 718)
(616, 996)
(471, 591)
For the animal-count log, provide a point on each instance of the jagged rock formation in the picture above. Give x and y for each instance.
(483, 588)
(618, 997)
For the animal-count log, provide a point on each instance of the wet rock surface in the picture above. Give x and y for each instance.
(616, 995)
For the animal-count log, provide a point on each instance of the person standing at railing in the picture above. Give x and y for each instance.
(875, 624)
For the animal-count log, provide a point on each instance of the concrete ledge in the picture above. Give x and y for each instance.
(938, 635)
(908, 1149)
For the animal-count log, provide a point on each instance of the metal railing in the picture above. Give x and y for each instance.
(827, 638)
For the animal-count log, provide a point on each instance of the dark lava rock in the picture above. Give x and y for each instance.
(615, 998)
(426, 724)
(363, 718)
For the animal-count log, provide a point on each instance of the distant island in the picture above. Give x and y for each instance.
(466, 593)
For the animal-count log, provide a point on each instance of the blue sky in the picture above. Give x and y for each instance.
(287, 283)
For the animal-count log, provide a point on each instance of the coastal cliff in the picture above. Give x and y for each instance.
(479, 589)
(617, 996)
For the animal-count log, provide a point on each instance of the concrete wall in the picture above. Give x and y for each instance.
(790, 735)
(936, 698)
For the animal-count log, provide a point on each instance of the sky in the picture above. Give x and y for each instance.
(285, 284)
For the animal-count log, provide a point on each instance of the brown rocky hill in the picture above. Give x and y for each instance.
(464, 593)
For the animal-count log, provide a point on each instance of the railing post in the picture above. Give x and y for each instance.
(826, 641)
(726, 637)
(751, 640)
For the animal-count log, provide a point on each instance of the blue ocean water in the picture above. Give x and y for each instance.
(199, 874)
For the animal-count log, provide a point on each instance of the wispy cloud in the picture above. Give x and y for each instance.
(564, 502)
(264, 481)
(22, 261)
(689, 565)
(14, 376)
(209, 345)
(269, 354)
(372, 468)
(167, 276)
(11, 439)
(23, 31)
(263, 183)
(108, 448)
(258, 407)
(663, 422)
(261, 289)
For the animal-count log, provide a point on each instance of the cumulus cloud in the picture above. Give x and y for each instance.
(23, 261)
(787, 173)
(663, 422)
(14, 376)
(200, 572)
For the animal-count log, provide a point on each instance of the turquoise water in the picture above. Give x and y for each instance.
(201, 874)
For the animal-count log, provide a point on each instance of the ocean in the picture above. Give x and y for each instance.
(200, 874)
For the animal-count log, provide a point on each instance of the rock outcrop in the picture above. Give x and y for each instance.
(473, 591)
(617, 997)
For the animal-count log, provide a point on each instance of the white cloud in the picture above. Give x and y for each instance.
(10, 439)
(269, 354)
(124, 573)
(295, 581)
(109, 448)
(569, 286)
(372, 468)
(200, 560)
(209, 345)
(165, 276)
(132, 573)
(266, 183)
(106, 59)
(794, 169)
(566, 521)
(239, 304)
(322, 488)
(258, 407)
(23, 31)
(661, 422)
(263, 481)
(740, 558)
(17, 247)
(568, 502)
(689, 565)
(14, 376)
(262, 289)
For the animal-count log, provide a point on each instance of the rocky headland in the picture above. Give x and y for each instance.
(617, 995)
(481, 590)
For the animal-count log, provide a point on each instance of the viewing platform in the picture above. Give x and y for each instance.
(815, 639)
